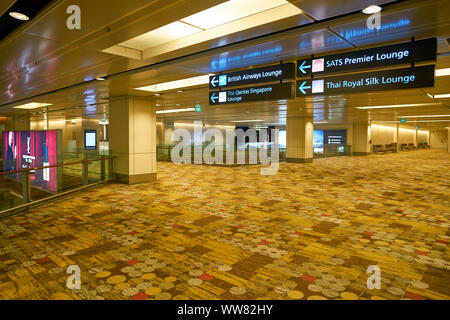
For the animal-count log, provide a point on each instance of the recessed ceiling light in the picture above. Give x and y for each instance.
(233, 10)
(157, 94)
(440, 96)
(399, 106)
(426, 116)
(162, 35)
(413, 121)
(100, 78)
(171, 85)
(247, 121)
(19, 16)
(32, 105)
(442, 72)
(180, 91)
(175, 110)
(227, 17)
(372, 9)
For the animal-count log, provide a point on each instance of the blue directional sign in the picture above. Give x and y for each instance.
(304, 86)
(284, 71)
(214, 82)
(304, 66)
(406, 78)
(403, 53)
(213, 97)
(277, 91)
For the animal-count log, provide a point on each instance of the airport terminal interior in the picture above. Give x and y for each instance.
(231, 150)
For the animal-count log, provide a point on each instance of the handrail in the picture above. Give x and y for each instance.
(55, 165)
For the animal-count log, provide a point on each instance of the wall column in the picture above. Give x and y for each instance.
(448, 140)
(362, 144)
(299, 139)
(167, 133)
(21, 121)
(416, 138)
(133, 138)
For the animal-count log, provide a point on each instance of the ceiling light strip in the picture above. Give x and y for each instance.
(175, 110)
(237, 121)
(399, 106)
(426, 116)
(172, 85)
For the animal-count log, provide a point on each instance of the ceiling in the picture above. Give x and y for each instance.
(46, 62)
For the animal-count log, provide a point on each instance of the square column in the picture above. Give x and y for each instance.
(20, 121)
(299, 139)
(362, 139)
(133, 138)
(448, 140)
(168, 130)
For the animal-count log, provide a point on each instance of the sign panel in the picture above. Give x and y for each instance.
(409, 52)
(407, 78)
(335, 137)
(90, 139)
(278, 72)
(276, 91)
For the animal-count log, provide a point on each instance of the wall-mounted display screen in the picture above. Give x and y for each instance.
(282, 139)
(335, 137)
(318, 141)
(31, 149)
(322, 138)
(90, 139)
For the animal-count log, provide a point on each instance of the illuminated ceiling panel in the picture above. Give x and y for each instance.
(226, 18)
(230, 11)
(183, 83)
(167, 33)
(32, 105)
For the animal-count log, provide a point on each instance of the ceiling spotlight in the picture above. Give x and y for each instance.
(180, 91)
(100, 78)
(19, 16)
(157, 94)
(372, 9)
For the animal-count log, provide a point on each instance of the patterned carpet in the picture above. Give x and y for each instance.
(202, 232)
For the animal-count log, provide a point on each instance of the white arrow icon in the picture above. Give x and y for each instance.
(303, 87)
(214, 81)
(213, 97)
(302, 67)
